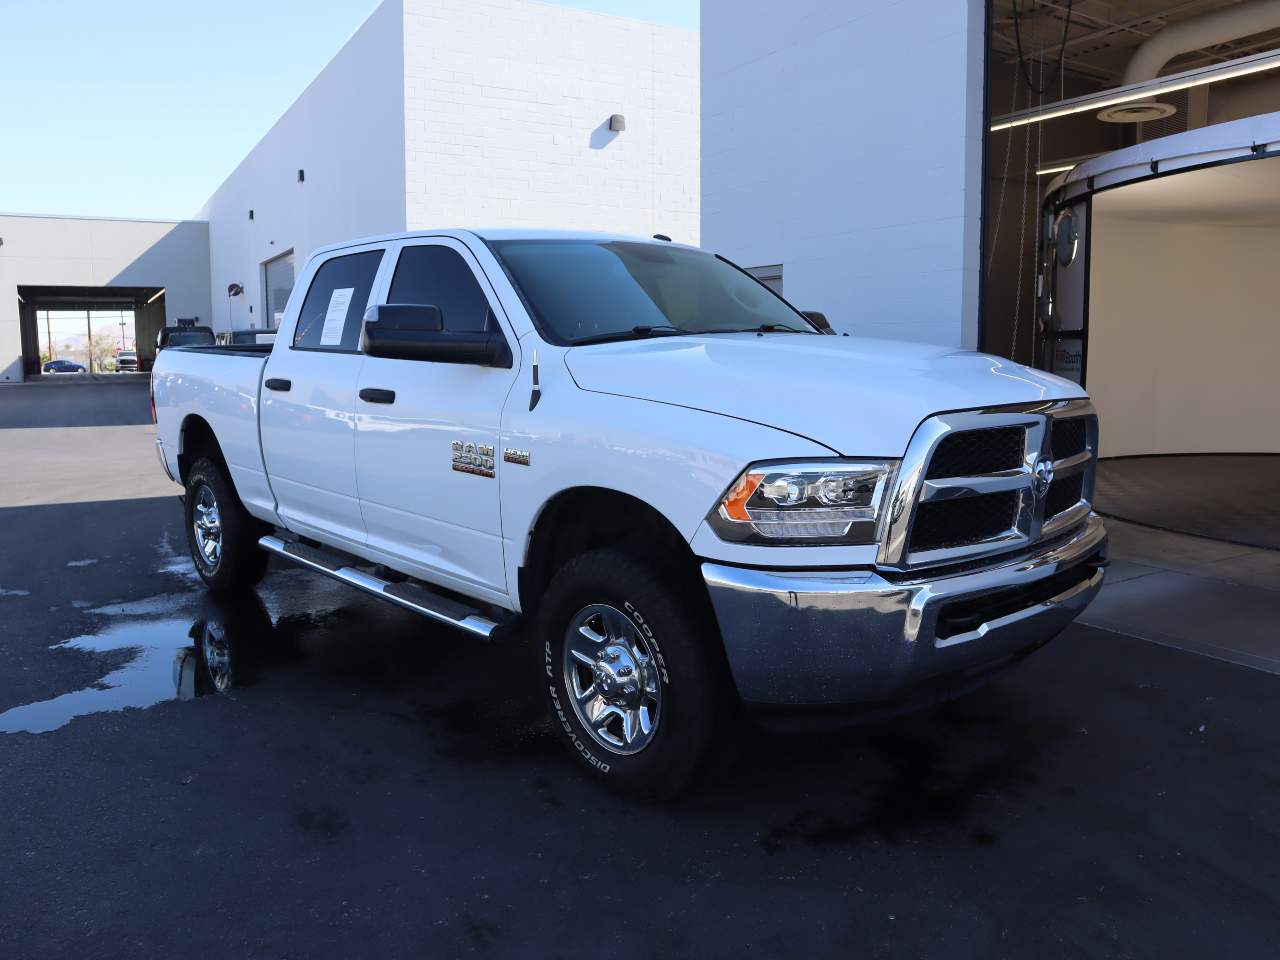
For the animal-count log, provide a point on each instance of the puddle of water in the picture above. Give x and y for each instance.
(176, 564)
(142, 682)
(180, 645)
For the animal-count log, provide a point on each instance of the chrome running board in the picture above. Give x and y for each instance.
(408, 594)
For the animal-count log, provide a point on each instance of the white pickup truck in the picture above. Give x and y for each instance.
(693, 495)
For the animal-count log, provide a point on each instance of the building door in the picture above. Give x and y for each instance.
(277, 284)
(1062, 305)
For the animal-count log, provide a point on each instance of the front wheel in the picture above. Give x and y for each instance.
(222, 535)
(634, 671)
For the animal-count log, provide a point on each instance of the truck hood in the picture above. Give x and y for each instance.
(859, 397)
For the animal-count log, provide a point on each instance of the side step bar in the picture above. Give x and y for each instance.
(409, 595)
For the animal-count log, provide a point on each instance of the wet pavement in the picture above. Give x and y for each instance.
(306, 772)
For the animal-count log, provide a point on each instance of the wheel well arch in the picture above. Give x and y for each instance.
(196, 439)
(585, 518)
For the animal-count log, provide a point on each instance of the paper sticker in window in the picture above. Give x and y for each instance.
(335, 318)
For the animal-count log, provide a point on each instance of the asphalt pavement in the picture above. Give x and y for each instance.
(307, 772)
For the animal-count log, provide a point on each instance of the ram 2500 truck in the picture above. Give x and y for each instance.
(691, 495)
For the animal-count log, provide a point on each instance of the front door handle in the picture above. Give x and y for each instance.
(275, 383)
(377, 395)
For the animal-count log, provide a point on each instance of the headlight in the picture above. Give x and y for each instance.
(836, 502)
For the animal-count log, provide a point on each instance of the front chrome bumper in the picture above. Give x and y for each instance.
(856, 636)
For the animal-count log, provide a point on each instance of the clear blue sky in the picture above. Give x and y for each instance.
(140, 108)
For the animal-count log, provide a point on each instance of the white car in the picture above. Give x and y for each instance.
(692, 495)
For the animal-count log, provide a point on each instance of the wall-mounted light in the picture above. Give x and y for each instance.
(250, 214)
(156, 296)
(617, 123)
(302, 175)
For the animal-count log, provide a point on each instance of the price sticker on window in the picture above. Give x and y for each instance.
(335, 318)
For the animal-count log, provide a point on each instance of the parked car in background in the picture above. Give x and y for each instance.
(63, 366)
(692, 496)
(127, 361)
(184, 335)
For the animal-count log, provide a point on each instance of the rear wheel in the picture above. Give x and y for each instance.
(634, 672)
(222, 535)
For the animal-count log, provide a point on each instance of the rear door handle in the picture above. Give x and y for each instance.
(377, 395)
(275, 383)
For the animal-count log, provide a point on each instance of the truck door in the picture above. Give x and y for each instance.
(308, 402)
(427, 457)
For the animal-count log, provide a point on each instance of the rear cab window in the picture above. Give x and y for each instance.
(334, 307)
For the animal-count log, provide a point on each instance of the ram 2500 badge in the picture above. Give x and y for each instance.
(686, 492)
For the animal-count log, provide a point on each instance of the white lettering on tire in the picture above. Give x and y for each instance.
(567, 724)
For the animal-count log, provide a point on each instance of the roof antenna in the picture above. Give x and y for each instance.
(661, 236)
(536, 394)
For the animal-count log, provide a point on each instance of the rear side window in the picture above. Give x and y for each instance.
(332, 313)
(439, 276)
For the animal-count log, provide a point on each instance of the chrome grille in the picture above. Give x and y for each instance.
(967, 453)
(985, 481)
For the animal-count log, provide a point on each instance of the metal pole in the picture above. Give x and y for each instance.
(48, 333)
(89, 330)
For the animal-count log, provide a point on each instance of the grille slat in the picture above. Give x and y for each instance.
(969, 453)
(941, 524)
(1068, 437)
(1063, 495)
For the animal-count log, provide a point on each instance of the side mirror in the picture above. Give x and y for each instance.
(819, 320)
(414, 331)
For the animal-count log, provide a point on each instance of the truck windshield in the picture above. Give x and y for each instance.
(583, 291)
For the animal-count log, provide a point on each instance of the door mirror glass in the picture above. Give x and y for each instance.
(414, 331)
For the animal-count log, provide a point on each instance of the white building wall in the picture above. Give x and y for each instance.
(346, 131)
(507, 104)
(844, 141)
(93, 252)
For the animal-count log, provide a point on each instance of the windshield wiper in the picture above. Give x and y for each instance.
(763, 328)
(635, 333)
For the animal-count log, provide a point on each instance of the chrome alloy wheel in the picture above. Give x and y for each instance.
(611, 677)
(207, 524)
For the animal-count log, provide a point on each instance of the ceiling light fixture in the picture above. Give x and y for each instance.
(1062, 169)
(1230, 70)
(157, 295)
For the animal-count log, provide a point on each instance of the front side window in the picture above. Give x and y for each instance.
(585, 290)
(334, 308)
(437, 275)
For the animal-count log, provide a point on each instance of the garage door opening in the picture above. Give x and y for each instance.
(98, 331)
(1160, 297)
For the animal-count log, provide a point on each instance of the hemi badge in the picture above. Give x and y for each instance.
(516, 456)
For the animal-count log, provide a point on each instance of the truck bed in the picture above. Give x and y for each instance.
(220, 385)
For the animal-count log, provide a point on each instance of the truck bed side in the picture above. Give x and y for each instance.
(219, 385)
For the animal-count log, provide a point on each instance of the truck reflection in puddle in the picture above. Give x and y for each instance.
(228, 649)
(168, 658)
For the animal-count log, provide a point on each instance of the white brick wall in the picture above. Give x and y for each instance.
(844, 141)
(507, 105)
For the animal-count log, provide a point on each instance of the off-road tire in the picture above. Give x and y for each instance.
(675, 622)
(240, 562)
